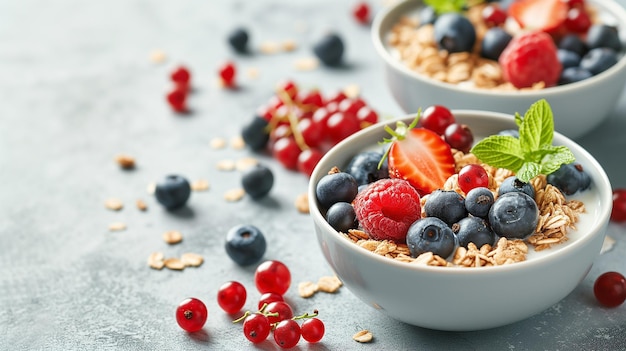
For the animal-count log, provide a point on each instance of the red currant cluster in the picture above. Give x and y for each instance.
(272, 279)
(440, 120)
(177, 96)
(300, 126)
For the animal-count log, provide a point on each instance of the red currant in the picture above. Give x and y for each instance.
(610, 289)
(227, 74)
(473, 176)
(494, 15)
(366, 116)
(618, 214)
(361, 12)
(308, 159)
(272, 276)
(459, 136)
(286, 151)
(287, 333)
(578, 20)
(282, 308)
(266, 298)
(312, 132)
(341, 125)
(181, 75)
(312, 330)
(191, 314)
(337, 98)
(351, 106)
(231, 296)
(436, 118)
(256, 328)
(177, 99)
(290, 89)
(311, 100)
(575, 3)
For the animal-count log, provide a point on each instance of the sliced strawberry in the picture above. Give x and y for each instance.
(422, 158)
(543, 15)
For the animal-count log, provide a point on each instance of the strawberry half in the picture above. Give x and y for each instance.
(543, 15)
(420, 157)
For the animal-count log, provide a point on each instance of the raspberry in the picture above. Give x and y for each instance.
(531, 58)
(387, 208)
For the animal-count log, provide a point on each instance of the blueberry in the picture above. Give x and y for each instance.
(509, 132)
(572, 42)
(255, 133)
(598, 60)
(430, 234)
(257, 181)
(573, 75)
(238, 39)
(173, 192)
(512, 184)
(478, 201)
(245, 244)
(341, 217)
(364, 167)
(454, 33)
(329, 49)
(568, 58)
(427, 15)
(494, 42)
(447, 205)
(514, 215)
(336, 187)
(603, 36)
(570, 178)
(473, 230)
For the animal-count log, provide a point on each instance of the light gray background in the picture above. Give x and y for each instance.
(77, 87)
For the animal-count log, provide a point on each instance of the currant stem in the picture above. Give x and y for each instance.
(260, 311)
(306, 315)
(293, 120)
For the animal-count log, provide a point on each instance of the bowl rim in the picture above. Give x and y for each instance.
(378, 36)
(599, 228)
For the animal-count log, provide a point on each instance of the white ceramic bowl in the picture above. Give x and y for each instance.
(458, 298)
(578, 107)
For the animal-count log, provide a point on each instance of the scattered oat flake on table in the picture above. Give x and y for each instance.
(117, 226)
(234, 195)
(244, 163)
(156, 260)
(226, 165)
(191, 259)
(113, 204)
(329, 284)
(306, 64)
(288, 45)
(352, 91)
(237, 143)
(307, 289)
(302, 203)
(218, 143)
(269, 47)
(174, 263)
(158, 56)
(252, 73)
(125, 161)
(172, 237)
(151, 188)
(141, 205)
(200, 185)
(363, 336)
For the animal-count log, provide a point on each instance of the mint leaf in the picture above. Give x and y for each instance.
(537, 127)
(510, 155)
(533, 153)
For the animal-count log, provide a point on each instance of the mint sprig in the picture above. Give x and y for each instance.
(533, 153)
(443, 6)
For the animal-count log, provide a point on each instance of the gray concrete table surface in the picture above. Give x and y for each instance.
(77, 87)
